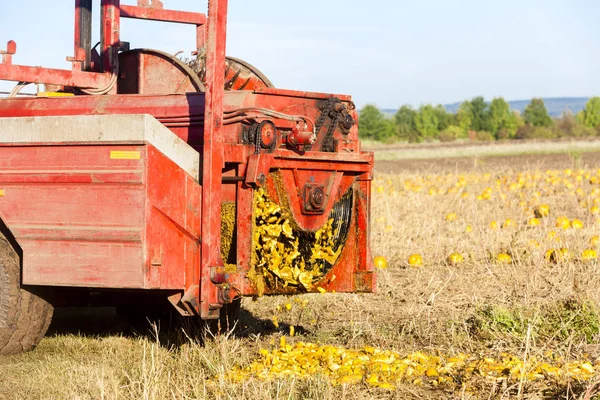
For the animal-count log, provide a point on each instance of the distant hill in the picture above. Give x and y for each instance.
(555, 105)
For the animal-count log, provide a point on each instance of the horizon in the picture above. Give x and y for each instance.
(383, 53)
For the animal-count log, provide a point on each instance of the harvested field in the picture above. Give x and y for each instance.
(514, 313)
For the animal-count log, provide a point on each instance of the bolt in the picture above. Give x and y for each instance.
(317, 198)
(261, 179)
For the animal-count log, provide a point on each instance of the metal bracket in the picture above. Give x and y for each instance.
(258, 168)
(182, 307)
(315, 198)
(191, 298)
(11, 49)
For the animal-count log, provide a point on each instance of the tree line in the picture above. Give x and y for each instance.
(477, 119)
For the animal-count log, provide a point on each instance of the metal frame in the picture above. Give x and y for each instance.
(111, 13)
(212, 153)
(229, 169)
(211, 41)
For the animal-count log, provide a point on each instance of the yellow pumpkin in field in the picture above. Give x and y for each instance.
(543, 210)
(533, 221)
(509, 223)
(451, 217)
(563, 222)
(589, 255)
(577, 224)
(504, 258)
(380, 262)
(455, 258)
(415, 260)
(558, 255)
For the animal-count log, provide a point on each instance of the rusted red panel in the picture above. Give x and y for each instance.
(75, 212)
(172, 222)
(82, 263)
(85, 217)
(152, 72)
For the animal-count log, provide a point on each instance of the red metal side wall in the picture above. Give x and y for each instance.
(98, 215)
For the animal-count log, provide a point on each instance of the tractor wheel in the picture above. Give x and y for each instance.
(24, 317)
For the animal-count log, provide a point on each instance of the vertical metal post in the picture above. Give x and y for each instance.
(200, 37)
(83, 30)
(212, 156)
(111, 25)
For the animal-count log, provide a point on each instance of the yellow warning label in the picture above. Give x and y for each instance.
(1, 192)
(124, 155)
(54, 94)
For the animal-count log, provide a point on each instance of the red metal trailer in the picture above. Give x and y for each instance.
(137, 178)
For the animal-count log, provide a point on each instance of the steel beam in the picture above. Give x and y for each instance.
(212, 156)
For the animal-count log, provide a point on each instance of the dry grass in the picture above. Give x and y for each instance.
(532, 308)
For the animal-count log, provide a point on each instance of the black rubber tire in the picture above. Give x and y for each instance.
(24, 316)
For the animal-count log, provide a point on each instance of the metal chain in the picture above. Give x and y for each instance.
(324, 113)
(329, 110)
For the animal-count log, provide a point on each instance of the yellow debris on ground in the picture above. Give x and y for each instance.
(385, 368)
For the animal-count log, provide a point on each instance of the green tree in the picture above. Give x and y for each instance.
(372, 124)
(426, 122)
(405, 123)
(591, 114)
(443, 116)
(498, 115)
(512, 124)
(503, 122)
(479, 115)
(463, 118)
(536, 114)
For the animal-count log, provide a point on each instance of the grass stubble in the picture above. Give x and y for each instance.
(531, 308)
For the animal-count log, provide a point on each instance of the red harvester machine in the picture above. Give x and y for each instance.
(138, 179)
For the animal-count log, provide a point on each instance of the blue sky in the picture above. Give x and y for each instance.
(384, 52)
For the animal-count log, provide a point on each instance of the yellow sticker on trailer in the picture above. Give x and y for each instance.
(124, 155)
